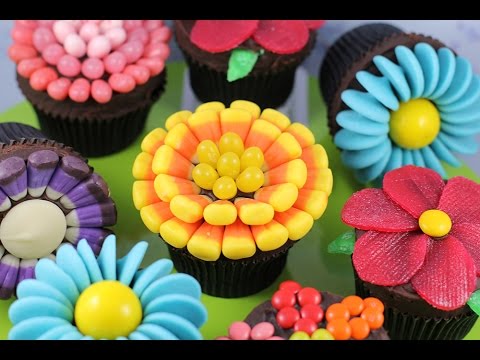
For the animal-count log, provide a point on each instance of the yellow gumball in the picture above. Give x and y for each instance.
(250, 180)
(108, 309)
(229, 165)
(253, 156)
(204, 176)
(207, 152)
(231, 142)
(435, 223)
(224, 188)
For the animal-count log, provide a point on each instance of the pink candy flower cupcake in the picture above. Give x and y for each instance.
(91, 82)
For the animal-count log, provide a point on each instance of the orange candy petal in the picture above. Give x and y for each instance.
(182, 139)
(319, 179)
(303, 134)
(238, 242)
(270, 236)
(206, 242)
(205, 125)
(167, 187)
(281, 196)
(177, 118)
(297, 222)
(249, 106)
(237, 121)
(169, 161)
(294, 172)
(262, 134)
(276, 118)
(144, 194)
(313, 202)
(254, 212)
(177, 232)
(142, 167)
(283, 149)
(315, 157)
(155, 215)
(153, 140)
(189, 208)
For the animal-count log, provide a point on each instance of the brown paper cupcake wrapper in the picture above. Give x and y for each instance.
(12, 131)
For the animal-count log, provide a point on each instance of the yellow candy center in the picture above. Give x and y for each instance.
(415, 124)
(107, 310)
(435, 223)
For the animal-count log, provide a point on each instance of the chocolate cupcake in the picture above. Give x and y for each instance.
(91, 82)
(397, 98)
(416, 250)
(245, 59)
(48, 195)
(230, 190)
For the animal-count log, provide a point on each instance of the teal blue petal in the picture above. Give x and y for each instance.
(87, 338)
(353, 121)
(447, 63)
(395, 160)
(145, 277)
(366, 105)
(186, 306)
(466, 115)
(107, 258)
(428, 59)
(174, 284)
(128, 265)
(72, 335)
(31, 329)
(69, 261)
(181, 328)
(377, 169)
(418, 158)
(33, 287)
(413, 71)
(463, 145)
(49, 272)
(407, 157)
(432, 161)
(349, 140)
(35, 306)
(460, 82)
(471, 97)
(57, 332)
(156, 332)
(461, 129)
(380, 88)
(364, 158)
(442, 152)
(138, 336)
(395, 75)
(88, 258)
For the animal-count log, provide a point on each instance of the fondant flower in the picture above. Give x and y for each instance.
(226, 181)
(78, 297)
(422, 107)
(419, 230)
(47, 199)
(82, 59)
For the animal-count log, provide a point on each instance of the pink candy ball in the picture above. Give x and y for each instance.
(22, 35)
(77, 24)
(239, 330)
(141, 74)
(101, 91)
(99, 47)
(80, 90)
(88, 31)
(132, 24)
(275, 338)
(122, 83)
(74, 45)
(115, 62)
(42, 37)
(139, 34)
(155, 65)
(69, 66)
(93, 68)
(117, 36)
(106, 25)
(58, 89)
(42, 77)
(151, 25)
(18, 52)
(62, 28)
(52, 53)
(160, 50)
(262, 331)
(46, 23)
(32, 24)
(162, 34)
(28, 66)
(133, 50)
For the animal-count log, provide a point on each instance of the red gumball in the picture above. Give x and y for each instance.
(283, 298)
(309, 295)
(311, 311)
(287, 317)
(306, 325)
(291, 286)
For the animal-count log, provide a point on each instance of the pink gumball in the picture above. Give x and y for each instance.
(80, 90)
(275, 338)
(163, 34)
(58, 89)
(42, 77)
(42, 37)
(99, 47)
(151, 25)
(96, 22)
(77, 24)
(101, 91)
(106, 25)
(93, 68)
(239, 330)
(141, 74)
(88, 31)
(46, 23)
(139, 34)
(160, 50)
(115, 62)
(132, 24)
(22, 35)
(117, 36)
(28, 66)
(62, 28)
(18, 52)
(133, 50)
(262, 331)
(69, 65)
(75, 46)
(52, 53)
(122, 83)
(155, 65)
(32, 24)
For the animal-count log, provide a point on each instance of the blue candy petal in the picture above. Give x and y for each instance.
(88, 258)
(413, 71)
(181, 284)
(156, 332)
(57, 332)
(138, 336)
(442, 152)
(180, 327)
(460, 82)
(418, 158)
(375, 170)
(466, 115)
(71, 263)
(432, 161)
(380, 88)
(428, 59)
(447, 62)
(395, 160)
(407, 157)
(49, 272)
(87, 338)
(355, 122)
(128, 265)
(463, 145)
(366, 105)
(395, 75)
(145, 277)
(349, 140)
(364, 158)
(31, 329)
(471, 97)
(461, 129)
(33, 287)
(107, 258)
(35, 306)
(72, 335)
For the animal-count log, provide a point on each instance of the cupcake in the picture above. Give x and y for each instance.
(48, 195)
(304, 313)
(80, 297)
(91, 82)
(230, 190)
(245, 59)
(396, 99)
(416, 250)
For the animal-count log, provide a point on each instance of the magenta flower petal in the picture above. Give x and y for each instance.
(389, 259)
(461, 200)
(282, 36)
(469, 236)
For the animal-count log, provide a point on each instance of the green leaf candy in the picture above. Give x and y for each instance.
(343, 244)
(240, 64)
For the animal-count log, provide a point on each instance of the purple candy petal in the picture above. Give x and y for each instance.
(71, 171)
(13, 177)
(5, 202)
(40, 168)
(8, 275)
(96, 215)
(89, 191)
(94, 236)
(27, 270)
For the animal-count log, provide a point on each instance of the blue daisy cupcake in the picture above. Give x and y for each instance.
(48, 195)
(80, 297)
(396, 99)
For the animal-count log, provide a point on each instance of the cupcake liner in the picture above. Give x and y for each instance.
(232, 278)
(12, 131)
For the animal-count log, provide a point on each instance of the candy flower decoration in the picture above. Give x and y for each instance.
(277, 36)
(47, 199)
(419, 230)
(82, 59)
(240, 330)
(421, 109)
(230, 180)
(78, 297)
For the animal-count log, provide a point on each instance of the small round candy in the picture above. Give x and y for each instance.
(117, 36)
(22, 35)
(106, 25)
(80, 90)
(360, 328)
(287, 317)
(290, 285)
(299, 335)
(99, 47)
(252, 156)
(58, 89)
(307, 325)
(133, 50)
(239, 331)
(262, 331)
(52, 53)
(250, 180)
(75, 45)
(373, 317)
(337, 311)
(115, 62)
(101, 91)
(19, 52)
(374, 303)
(275, 338)
(224, 188)
(207, 152)
(28, 66)
(231, 142)
(229, 165)
(309, 295)
(160, 50)
(141, 74)
(62, 28)
(93, 68)
(312, 311)
(283, 298)
(151, 25)
(160, 35)
(132, 24)
(32, 24)
(154, 64)
(204, 176)
(42, 77)
(354, 304)
(122, 83)
(69, 66)
(42, 37)
(88, 31)
(322, 334)
(340, 329)
(45, 23)
(139, 34)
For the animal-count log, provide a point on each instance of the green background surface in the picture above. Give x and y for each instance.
(308, 261)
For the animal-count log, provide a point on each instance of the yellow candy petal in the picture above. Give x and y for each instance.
(181, 139)
(237, 121)
(284, 149)
(302, 134)
(144, 194)
(313, 202)
(254, 212)
(212, 105)
(315, 157)
(205, 125)
(169, 161)
(319, 179)
(206, 242)
(281, 196)
(249, 106)
(262, 134)
(270, 236)
(220, 212)
(153, 140)
(276, 118)
(142, 167)
(297, 222)
(154, 215)
(177, 118)
(294, 172)
(238, 242)
(177, 232)
(167, 187)
(189, 208)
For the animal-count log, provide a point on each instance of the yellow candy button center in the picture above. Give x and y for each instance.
(435, 223)
(108, 309)
(415, 124)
